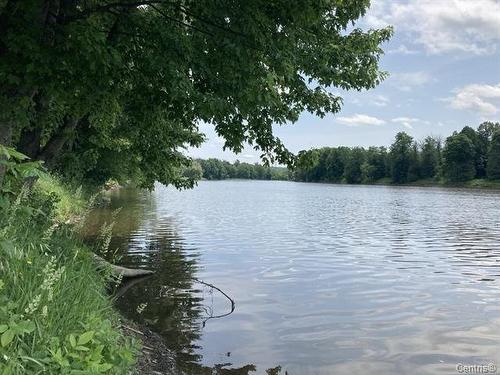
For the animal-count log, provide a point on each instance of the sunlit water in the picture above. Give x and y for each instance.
(327, 279)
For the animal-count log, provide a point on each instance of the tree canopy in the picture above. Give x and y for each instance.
(407, 160)
(106, 88)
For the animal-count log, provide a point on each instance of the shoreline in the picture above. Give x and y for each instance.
(472, 184)
(155, 357)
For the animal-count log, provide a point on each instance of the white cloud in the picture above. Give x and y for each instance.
(441, 26)
(380, 101)
(407, 81)
(484, 99)
(403, 50)
(407, 122)
(359, 119)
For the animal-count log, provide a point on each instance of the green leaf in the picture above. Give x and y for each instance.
(9, 152)
(7, 337)
(85, 337)
(105, 367)
(26, 326)
(82, 348)
(3, 328)
(72, 340)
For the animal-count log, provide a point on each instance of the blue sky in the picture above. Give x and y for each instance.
(444, 65)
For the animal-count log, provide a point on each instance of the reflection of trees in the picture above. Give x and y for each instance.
(173, 296)
(174, 308)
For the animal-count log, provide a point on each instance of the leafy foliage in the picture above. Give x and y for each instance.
(407, 160)
(493, 167)
(214, 169)
(102, 89)
(458, 156)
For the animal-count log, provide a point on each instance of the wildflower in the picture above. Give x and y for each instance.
(119, 279)
(33, 305)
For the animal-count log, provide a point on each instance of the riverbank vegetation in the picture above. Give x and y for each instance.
(215, 169)
(465, 156)
(55, 313)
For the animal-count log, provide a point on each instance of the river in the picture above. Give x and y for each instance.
(326, 279)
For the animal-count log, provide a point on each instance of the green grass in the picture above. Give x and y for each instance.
(55, 314)
(70, 202)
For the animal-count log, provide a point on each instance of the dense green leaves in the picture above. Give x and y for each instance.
(459, 156)
(214, 169)
(106, 89)
(407, 160)
(400, 157)
(493, 167)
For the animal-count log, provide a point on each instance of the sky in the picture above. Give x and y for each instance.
(444, 66)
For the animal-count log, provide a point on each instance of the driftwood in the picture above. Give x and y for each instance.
(122, 271)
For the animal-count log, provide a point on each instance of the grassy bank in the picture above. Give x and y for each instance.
(55, 314)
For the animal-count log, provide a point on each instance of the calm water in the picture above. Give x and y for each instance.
(327, 279)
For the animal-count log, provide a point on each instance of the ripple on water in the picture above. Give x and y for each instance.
(327, 279)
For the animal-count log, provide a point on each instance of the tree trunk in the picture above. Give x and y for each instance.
(54, 146)
(29, 144)
(5, 140)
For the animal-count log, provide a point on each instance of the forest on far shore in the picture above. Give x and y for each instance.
(463, 156)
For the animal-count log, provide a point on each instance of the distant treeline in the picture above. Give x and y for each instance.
(463, 156)
(215, 169)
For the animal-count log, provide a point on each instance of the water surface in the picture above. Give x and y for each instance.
(327, 279)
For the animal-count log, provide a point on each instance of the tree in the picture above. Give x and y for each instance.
(429, 161)
(335, 161)
(414, 163)
(400, 157)
(458, 156)
(306, 165)
(85, 83)
(480, 150)
(374, 167)
(493, 168)
(486, 131)
(353, 173)
(194, 171)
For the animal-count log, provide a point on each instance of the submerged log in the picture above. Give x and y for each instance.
(122, 271)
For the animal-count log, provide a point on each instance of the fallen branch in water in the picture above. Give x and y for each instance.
(233, 305)
(122, 271)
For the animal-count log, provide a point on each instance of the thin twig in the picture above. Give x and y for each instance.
(132, 329)
(233, 305)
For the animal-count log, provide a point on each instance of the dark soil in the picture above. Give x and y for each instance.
(155, 358)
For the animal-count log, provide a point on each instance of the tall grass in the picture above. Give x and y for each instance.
(55, 315)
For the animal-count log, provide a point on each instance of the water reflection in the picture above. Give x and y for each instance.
(327, 279)
(172, 301)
